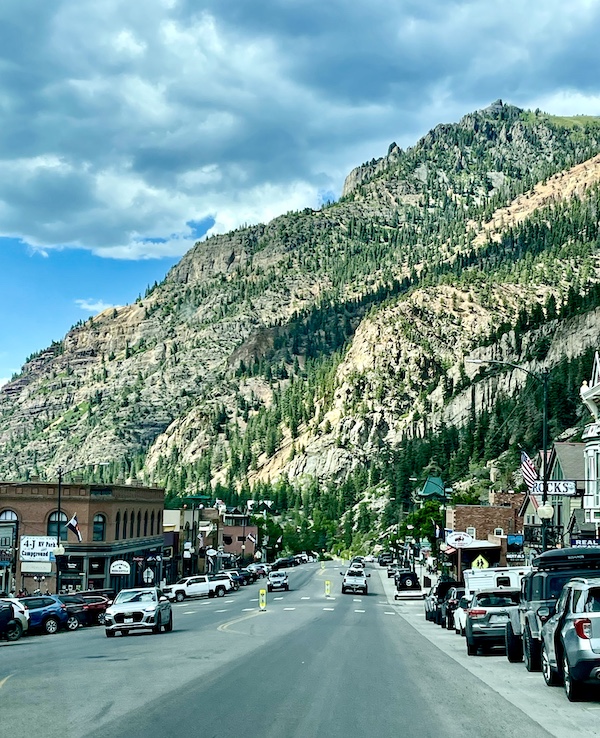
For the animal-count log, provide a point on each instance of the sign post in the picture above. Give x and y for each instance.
(459, 540)
(262, 600)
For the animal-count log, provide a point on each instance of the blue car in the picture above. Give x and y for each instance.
(46, 613)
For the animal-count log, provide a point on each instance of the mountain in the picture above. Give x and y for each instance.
(326, 342)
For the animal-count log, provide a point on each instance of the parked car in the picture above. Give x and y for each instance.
(278, 580)
(258, 569)
(10, 627)
(385, 559)
(487, 617)
(97, 605)
(540, 590)
(408, 586)
(392, 569)
(283, 563)
(77, 610)
(434, 599)
(46, 613)
(138, 609)
(460, 615)
(20, 611)
(448, 605)
(225, 580)
(571, 638)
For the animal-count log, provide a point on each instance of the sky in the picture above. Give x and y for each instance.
(132, 129)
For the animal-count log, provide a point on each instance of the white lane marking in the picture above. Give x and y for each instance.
(329, 609)
(305, 598)
(289, 608)
(277, 598)
(189, 612)
(389, 613)
(221, 611)
(356, 600)
(248, 609)
(359, 611)
(254, 600)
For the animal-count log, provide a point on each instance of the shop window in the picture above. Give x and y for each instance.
(99, 533)
(54, 524)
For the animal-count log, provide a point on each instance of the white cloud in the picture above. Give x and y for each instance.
(94, 306)
(123, 122)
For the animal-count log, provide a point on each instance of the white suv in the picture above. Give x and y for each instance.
(278, 580)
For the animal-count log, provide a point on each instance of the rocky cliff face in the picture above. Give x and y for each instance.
(412, 271)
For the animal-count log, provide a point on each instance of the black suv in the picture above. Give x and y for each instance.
(77, 610)
(439, 591)
(540, 590)
(449, 604)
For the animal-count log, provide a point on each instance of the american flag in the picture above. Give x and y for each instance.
(528, 471)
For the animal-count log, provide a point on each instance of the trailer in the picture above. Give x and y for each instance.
(498, 576)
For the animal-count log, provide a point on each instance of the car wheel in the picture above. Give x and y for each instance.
(513, 644)
(574, 689)
(169, 625)
(550, 676)
(269, 589)
(157, 627)
(343, 590)
(14, 631)
(51, 626)
(110, 633)
(472, 647)
(531, 651)
(101, 618)
(220, 592)
(179, 596)
(287, 587)
(72, 622)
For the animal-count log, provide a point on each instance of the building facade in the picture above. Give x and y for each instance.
(116, 523)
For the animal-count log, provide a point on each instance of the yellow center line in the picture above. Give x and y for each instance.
(3, 681)
(224, 627)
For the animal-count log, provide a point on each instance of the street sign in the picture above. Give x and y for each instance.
(458, 539)
(120, 568)
(36, 548)
(262, 599)
(148, 576)
(480, 563)
(560, 488)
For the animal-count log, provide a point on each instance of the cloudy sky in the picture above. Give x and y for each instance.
(130, 129)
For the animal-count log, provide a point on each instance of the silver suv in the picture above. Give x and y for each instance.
(571, 638)
(138, 609)
(278, 580)
(487, 617)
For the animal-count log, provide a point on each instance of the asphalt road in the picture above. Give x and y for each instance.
(309, 666)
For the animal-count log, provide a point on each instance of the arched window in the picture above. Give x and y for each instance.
(131, 522)
(118, 526)
(125, 524)
(9, 515)
(139, 524)
(99, 528)
(152, 523)
(54, 525)
(146, 523)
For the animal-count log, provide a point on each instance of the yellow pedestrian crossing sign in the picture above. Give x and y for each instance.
(262, 599)
(480, 563)
(327, 588)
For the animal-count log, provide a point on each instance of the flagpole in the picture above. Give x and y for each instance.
(58, 546)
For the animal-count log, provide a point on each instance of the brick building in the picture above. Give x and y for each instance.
(116, 522)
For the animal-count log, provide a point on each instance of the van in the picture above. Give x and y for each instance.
(493, 578)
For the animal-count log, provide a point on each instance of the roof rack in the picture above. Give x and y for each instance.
(568, 558)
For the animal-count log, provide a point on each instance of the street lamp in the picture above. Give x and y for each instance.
(545, 511)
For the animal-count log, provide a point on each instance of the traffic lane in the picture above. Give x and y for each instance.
(95, 679)
(345, 673)
(526, 691)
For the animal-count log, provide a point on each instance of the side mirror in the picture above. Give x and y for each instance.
(341, 573)
(163, 599)
(368, 575)
(109, 603)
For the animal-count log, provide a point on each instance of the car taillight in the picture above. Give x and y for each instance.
(63, 607)
(476, 613)
(583, 628)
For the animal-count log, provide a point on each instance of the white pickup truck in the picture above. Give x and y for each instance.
(196, 586)
(355, 580)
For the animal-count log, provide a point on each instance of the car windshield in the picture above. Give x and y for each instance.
(492, 599)
(135, 596)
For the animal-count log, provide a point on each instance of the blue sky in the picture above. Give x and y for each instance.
(129, 129)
